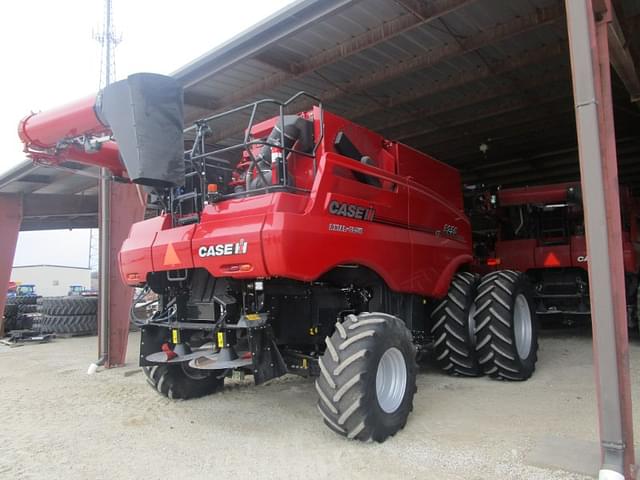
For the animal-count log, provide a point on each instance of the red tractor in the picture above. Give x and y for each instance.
(314, 246)
(540, 231)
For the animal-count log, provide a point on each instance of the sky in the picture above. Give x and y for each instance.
(49, 58)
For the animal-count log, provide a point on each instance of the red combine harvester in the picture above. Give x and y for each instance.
(313, 246)
(540, 231)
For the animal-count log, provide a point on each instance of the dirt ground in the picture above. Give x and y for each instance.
(58, 422)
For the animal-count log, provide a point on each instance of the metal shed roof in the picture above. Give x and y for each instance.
(444, 76)
(54, 198)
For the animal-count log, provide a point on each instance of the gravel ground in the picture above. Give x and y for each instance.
(58, 422)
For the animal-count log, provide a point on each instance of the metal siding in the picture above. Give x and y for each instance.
(52, 281)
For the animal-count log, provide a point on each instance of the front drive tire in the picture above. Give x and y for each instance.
(368, 377)
(178, 381)
(506, 327)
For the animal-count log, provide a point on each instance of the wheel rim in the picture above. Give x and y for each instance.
(391, 380)
(522, 328)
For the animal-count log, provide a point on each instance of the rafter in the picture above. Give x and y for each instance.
(260, 39)
(527, 58)
(472, 128)
(487, 37)
(499, 108)
(386, 30)
(622, 60)
(477, 97)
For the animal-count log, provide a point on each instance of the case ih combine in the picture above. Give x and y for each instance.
(540, 231)
(313, 247)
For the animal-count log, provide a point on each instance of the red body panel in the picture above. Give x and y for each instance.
(416, 239)
(46, 129)
(528, 254)
(42, 134)
(539, 194)
(516, 254)
(135, 255)
(414, 234)
(172, 249)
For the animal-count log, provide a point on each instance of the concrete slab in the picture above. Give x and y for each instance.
(569, 454)
(112, 425)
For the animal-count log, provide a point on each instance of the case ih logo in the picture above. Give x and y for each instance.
(351, 211)
(238, 248)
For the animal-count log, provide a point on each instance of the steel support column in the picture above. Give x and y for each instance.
(10, 218)
(124, 208)
(597, 151)
(103, 267)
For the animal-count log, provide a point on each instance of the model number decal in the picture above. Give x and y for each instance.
(337, 227)
(448, 231)
(351, 211)
(221, 249)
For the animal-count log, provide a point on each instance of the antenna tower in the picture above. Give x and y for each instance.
(108, 40)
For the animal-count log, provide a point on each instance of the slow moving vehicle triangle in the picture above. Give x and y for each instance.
(171, 257)
(551, 260)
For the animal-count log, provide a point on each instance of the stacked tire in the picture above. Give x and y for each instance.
(10, 315)
(70, 315)
(19, 313)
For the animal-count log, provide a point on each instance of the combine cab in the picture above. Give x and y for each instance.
(540, 231)
(312, 246)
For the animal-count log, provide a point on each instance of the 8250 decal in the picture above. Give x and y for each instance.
(449, 230)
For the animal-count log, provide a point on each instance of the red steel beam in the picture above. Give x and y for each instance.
(10, 219)
(588, 45)
(126, 208)
(604, 98)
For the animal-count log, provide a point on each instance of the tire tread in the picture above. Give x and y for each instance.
(454, 346)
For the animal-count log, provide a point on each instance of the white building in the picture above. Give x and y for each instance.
(52, 280)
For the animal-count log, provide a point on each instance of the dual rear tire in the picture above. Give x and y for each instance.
(506, 328)
(453, 328)
(487, 327)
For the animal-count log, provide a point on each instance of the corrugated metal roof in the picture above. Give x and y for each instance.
(379, 62)
(54, 198)
(443, 76)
